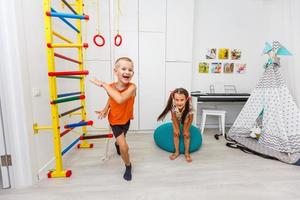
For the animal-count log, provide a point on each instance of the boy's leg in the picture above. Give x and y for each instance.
(123, 148)
(186, 136)
(119, 130)
(117, 148)
(125, 156)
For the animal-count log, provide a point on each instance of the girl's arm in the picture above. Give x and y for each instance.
(175, 123)
(188, 122)
(115, 94)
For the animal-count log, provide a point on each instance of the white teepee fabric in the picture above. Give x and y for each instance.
(280, 135)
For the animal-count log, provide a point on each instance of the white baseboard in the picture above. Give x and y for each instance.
(43, 171)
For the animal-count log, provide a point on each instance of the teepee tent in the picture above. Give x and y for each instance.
(271, 103)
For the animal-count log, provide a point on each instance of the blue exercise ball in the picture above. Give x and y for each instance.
(163, 137)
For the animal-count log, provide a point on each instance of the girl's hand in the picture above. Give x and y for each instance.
(101, 114)
(97, 82)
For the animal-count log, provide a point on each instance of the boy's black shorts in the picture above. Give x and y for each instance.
(120, 128)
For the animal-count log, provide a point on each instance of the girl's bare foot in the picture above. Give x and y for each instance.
(173, 156)
(188, 158)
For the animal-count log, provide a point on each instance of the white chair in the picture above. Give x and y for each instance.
(219, 113)
(230, 89)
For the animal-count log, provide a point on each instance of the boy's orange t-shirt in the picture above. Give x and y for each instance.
(120, 113)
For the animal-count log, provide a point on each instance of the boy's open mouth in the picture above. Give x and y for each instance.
(126, 76)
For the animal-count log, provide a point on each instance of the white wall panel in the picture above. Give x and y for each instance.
(96, 97)
(90, 29)
(180, 21)
(152, 15)
(128, 48)
(151, 78)
(128, 15)
(178, 75)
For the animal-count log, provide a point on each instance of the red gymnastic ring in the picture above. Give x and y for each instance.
(102, 40)
(118, 37)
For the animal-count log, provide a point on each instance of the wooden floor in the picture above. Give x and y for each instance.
(217, 172)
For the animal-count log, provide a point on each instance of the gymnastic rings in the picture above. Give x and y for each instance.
(102, 40)
(118, 40)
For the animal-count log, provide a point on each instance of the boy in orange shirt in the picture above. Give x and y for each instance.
(120, 107)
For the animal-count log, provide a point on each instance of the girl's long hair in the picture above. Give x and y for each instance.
(170, 104)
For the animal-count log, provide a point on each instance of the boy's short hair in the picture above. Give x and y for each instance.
(123, 58)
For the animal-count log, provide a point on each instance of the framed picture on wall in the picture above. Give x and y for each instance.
(211, 53)
(235, 54)
(216, 68)
(223, 53)
(203, 67)
(228, 68)
(240, 68)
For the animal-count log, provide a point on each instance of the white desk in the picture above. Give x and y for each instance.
(198, 98)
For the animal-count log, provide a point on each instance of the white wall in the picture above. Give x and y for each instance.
(290, 25)
(156, 37)
(15, 94)
(243, 25)
(230, 24)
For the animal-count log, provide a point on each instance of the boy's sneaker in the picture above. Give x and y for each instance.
(127, 175)
(117, 148)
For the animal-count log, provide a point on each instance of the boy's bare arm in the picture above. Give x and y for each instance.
(116, 95)
(103, 113)
(107, 106)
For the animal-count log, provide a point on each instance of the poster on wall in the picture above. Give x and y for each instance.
(223, 53)
(225, 61)
(228, 68)
(240, 68)
(211, 53)
(216, 68)
(235, 54)
(203, 67)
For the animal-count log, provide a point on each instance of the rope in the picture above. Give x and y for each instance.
(98, 18)
(119, 12)
(235, 145)
(103, 129)
(118, 37)
(76, 132)
(98, 32)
